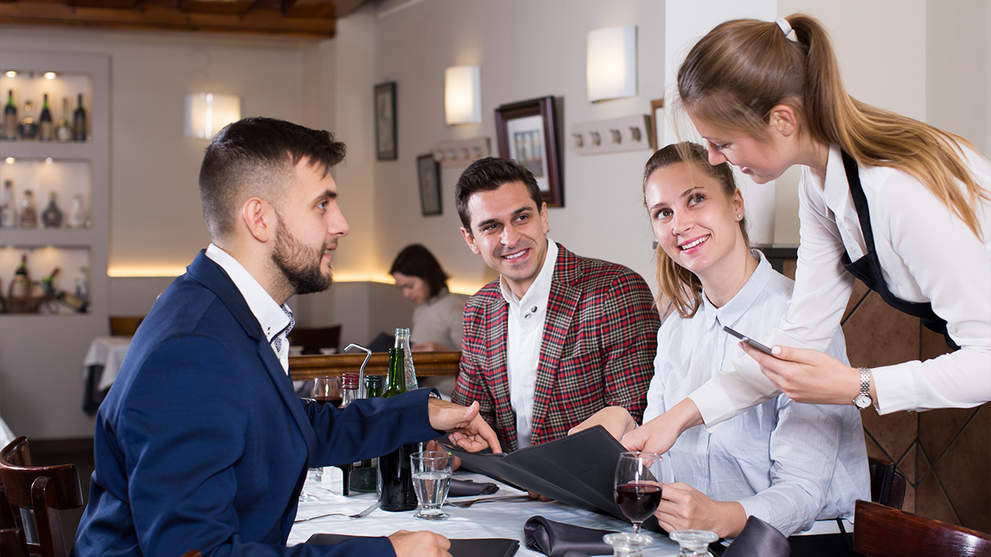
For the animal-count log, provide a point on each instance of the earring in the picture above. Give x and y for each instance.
(739, 217)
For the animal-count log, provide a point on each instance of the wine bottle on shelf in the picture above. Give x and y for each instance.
(52, 217)
(64, 131)
(81, 281)
(8, 212)
(77, 216)
(10, 118)
(47, 283)
(395, 475)
(29, 213)
(46, 130)
(409, 373)
(20, 287)
(79, 121)
(29, 127)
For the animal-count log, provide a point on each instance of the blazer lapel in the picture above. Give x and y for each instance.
(205, 271)
(497, 326)
(563, 300)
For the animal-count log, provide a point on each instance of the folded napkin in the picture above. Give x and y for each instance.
(556, 539)
(480, 547)
(463, 488)
(759, 538)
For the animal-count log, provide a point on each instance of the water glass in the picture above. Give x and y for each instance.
(693, 543)
(431, 480)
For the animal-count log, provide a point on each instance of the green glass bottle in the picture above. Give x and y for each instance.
(395, 474)
(396, 384)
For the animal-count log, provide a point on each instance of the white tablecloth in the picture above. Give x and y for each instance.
(108, 352)
(481, 520)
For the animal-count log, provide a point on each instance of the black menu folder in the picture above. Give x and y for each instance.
(578, 470)
(482, 547)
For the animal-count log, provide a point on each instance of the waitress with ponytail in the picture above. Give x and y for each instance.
(901, 205)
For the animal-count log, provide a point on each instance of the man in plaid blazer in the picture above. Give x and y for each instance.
(558, 337)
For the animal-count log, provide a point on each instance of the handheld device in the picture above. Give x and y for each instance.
(749, 341)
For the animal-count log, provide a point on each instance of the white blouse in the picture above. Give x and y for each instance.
(927, 254)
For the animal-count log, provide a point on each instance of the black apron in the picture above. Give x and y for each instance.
(868, 268)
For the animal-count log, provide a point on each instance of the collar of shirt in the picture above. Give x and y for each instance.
(269, 314)
(738, 306)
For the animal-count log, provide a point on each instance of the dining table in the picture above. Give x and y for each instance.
(495, 518)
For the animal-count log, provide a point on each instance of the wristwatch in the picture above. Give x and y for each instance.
(864, 399)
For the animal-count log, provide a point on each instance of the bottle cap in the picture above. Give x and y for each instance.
(349, 380)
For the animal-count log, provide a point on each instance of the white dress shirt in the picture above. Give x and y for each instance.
(786, 463)
(273, 318)
(927, 254)
(527, 316)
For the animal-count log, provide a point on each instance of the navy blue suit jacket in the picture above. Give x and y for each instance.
(202, 443)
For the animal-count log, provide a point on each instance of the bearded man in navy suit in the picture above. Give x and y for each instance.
(201, 442)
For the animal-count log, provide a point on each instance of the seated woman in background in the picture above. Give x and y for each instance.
(437, 319)
(799, 467)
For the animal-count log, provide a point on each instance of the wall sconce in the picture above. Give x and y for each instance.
(611, 63)
(207, 113)
(463, 95)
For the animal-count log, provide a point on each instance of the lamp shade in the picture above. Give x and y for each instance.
(463, 95)
(611, 63)
(207, 113)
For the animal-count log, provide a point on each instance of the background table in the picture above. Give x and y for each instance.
(100, 368)
(481, 520)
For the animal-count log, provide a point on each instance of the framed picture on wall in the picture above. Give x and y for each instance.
(428, 171)
(656, 122)
(527, 134)
(385, 122)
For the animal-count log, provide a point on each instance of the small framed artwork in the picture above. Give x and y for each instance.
(656, 122)
(428, 170)
(385, 122)
(527, 134)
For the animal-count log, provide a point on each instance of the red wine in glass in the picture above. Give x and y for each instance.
(638, 500)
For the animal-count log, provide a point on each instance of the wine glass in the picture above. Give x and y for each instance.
(638, 486)
(327, 389)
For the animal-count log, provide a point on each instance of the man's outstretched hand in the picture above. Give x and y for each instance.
(471, 433)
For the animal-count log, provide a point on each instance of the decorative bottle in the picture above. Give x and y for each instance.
(28, 128)
(47, 283)
(81, 281)
(20, 287)
(10, 118)
(29, 213)
(64, 131)
(409, 373)
(46, 130)
(77, 216)
(395, 476)
(79, 121)
(52, 217)
(8, 213)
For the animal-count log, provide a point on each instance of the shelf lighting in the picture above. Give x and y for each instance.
(10, 160)
(207, 113)
(49, 75)
(463, 95)
(11, 73)
(611, 63)
(48, 160)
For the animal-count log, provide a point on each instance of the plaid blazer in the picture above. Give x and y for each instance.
(598, 348)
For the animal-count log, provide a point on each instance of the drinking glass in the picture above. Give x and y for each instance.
(626, 544)
(638, 486)
(327, 390)
(431, 480)
(693, 543)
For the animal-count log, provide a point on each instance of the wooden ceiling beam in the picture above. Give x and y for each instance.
(256, 21)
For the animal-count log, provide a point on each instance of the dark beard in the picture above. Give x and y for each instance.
(291, 258)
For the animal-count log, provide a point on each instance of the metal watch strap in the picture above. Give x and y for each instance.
(863, 399)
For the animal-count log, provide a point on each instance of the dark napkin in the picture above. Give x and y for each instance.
(759, 538)
(481, 547)
(556, 539)
(464, 488)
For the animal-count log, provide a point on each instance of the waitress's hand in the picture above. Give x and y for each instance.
(809, 376)
(659, 434)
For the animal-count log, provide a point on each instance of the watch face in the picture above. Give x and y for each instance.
(862, 401)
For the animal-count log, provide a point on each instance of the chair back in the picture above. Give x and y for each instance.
(13, 543)
(43, 490)
(312, 339)
(125, 325)
(885, 532)
(887, 483)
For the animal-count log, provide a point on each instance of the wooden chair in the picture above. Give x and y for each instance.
(125, 325)
(885, 532)
(315, 338)
(13, 543)
(42, 489)
(887, 483)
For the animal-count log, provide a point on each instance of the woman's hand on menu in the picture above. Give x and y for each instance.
(471, 432)
(809, 376)
(660, 433)
(422, 543)
(616, 419)
(685, 508)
